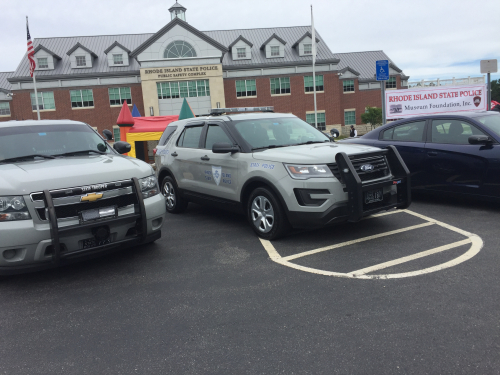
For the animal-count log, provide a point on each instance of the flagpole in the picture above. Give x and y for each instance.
(36, 97)
(313, 47)
(31, 59)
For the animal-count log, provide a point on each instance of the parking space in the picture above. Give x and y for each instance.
(207, 298)
(378, 244)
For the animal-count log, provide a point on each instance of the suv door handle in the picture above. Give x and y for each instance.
(432, 153)
(174, 153)
(205, 158)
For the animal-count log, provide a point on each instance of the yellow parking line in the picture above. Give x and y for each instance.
(342, 244)
(410, 257)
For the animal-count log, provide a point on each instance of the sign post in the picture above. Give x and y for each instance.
(382, 69)
(489, 66)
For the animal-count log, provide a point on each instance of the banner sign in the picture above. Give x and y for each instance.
(432, 100)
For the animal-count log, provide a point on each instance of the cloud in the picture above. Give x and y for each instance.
(427, 38)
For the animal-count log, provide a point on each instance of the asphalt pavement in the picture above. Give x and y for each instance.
(207, 298)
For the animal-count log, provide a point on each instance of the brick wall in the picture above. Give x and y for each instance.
(102, 116)
(333, 100)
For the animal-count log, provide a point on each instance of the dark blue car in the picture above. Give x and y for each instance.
(453, 153)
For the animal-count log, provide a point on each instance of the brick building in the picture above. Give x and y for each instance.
(88, 78)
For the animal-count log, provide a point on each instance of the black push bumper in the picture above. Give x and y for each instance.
(356, 208)
(60, 257)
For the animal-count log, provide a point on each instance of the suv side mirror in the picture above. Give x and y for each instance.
(224, 148)
(122, 147)
(480, 140)
(108, 134)
(335, 133)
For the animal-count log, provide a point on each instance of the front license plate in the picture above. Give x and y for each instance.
(98, 213)
(92, 242)
(373, 196)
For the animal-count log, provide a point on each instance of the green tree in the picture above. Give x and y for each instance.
(495, 90)
(372, 116)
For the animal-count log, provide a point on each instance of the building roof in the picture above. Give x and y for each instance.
(363, 63)
(258, 37)
(5, 85)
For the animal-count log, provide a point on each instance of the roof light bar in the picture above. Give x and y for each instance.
(220, 111)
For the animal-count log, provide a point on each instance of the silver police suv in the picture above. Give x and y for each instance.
(278, 170)
(65, 194)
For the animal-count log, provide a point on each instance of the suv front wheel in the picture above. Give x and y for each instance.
(266, 215)
(173, 202)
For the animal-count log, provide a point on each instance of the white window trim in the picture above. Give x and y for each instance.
(307, 53)
(41, 95)
(123, 60)
(271, 51)
(120, 93)
(81, 96)
(238, 52)
(39, 67)
(76, 61)
(245, 80)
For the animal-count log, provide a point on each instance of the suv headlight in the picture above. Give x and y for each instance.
(149, 186)
(13, 208)
(303, 172)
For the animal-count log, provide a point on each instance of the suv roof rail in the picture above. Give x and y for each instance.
(220, 111)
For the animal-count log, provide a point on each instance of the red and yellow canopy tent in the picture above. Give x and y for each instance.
(135, 129)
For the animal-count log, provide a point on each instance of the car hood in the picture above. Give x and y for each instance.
(311, 154)
(26, 177)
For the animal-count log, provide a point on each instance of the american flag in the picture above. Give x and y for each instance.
(31, 51)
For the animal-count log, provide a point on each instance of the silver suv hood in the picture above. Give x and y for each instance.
(26, 177)
(317, 153)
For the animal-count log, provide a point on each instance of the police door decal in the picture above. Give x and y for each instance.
(216, 174)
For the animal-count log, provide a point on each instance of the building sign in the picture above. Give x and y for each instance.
(181, 72)
(432, 100)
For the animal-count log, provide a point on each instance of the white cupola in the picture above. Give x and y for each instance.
(177, 11)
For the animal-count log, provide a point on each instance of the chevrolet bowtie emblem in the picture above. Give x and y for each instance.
(92, 197)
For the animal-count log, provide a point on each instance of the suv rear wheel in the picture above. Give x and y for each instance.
(266, 215)
(173, 202)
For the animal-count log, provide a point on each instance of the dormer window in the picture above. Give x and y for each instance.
(308, 49)
(275, 51)
(42, 63)
(274, 47)
(81, 61)
(118, 59)
(242, 52)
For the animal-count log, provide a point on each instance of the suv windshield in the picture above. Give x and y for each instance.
(49, 140)
(278, 132)
(492, 122)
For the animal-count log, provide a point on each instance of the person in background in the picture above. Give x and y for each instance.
(354, 132)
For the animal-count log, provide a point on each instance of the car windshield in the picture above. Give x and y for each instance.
(491, 122)
(48, 141)
(278, 132)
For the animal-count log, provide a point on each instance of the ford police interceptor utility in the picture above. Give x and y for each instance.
(277, 169)
(65, 194)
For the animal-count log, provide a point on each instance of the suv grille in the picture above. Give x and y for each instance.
(379, 162)
(115, 194)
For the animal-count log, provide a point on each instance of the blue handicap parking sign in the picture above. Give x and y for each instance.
(382, 68)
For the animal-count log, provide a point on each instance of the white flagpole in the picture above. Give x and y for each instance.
(314, 72)
(34, 79)
(36, 97)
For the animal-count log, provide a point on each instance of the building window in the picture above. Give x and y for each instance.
(348, 85)
(179, 49)
(391, 83)
(308, 49)
(308, 83)
(118, 59)
(45, 100)
(116, 134)
(321, 120)
(81, 98)
(81, 61)
(246, 88)
(42, 63)
(280, 85)
(350, 118)
(183, 89)
(275, 50)
(241, 52)
(119, 95)
(4, 109)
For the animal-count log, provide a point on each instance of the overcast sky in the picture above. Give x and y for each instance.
(426, 38)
